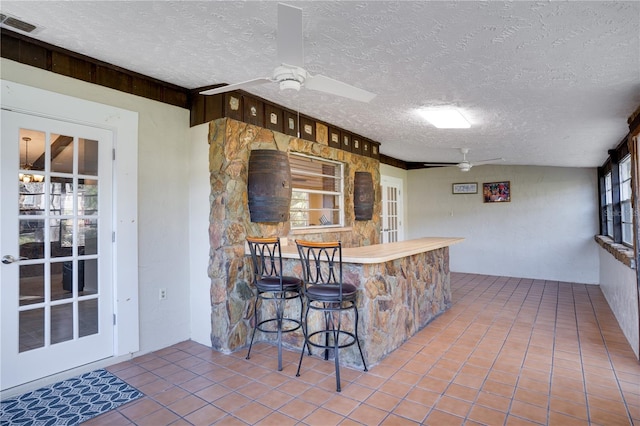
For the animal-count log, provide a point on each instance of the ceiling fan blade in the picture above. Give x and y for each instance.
(335, 87)
(440, 164)
(493, 160)
(235, 86)
(290, 37)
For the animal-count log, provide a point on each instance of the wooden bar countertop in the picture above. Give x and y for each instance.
(380, 253)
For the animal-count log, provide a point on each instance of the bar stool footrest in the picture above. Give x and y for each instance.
(331, 333)
(296, 324)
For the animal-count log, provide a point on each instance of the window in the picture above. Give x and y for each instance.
(625, 201)
(615, 192)
(608, 204)
(317, 197)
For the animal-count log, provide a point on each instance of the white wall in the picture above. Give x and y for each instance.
(199, 207)
(545, 232)
(618, 284)
(163, 220)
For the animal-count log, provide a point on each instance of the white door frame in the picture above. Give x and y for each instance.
(124, 125)
(386, 181)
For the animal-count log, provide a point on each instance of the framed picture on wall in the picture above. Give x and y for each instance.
(496, 192)
(465, 188)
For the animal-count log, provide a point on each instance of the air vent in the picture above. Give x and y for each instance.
(16, 24)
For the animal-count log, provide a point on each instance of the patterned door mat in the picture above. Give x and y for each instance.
(68, 402)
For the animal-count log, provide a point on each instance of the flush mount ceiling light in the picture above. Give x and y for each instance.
(444, 118)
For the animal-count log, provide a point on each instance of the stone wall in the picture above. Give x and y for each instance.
(230, 145)
(396, 299)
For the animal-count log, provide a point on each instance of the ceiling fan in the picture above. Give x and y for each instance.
(291, 74)
(465, 165)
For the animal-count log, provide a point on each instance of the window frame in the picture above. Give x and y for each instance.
(608, 206)
(625, 201)
(612, 217)
(340, 194)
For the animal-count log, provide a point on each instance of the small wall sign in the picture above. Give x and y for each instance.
(465, 188)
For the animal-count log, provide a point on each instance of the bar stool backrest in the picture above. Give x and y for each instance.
(266, 257)
(321, 263)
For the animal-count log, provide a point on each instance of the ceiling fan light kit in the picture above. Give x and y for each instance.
(290, 77)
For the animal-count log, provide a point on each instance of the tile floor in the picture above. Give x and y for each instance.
(510, 351)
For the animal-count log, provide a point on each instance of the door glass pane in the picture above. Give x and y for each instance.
(61, 231)
(31, 197)
(61, 153)
(31, 156)
(87, 196)
(31, 238)
(88, 317)
(87, 157)
(61, 196)
(61, 280)
(31, 284)
(31, 329)
(88, 276)
(61, 323)
(87, 236)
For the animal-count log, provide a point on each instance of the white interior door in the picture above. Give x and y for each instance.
(392, 209)
(56, 290)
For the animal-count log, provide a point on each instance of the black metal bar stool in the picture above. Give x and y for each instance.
(272, 286)
(325, 292)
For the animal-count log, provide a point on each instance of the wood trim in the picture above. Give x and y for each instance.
(385, 159)
(35, 53)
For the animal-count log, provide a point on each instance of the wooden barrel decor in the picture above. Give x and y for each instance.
(268, 186)
(363, 196)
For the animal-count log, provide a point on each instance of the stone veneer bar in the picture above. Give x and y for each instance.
(231, 294)
(402, 287)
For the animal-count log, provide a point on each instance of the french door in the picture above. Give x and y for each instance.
(56, 291)
(392, 209)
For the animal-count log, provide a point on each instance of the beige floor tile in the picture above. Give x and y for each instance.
(423, 396)
(275, 399)
(298, 409)
(507, 352)
(277, 419)
(529, 412)
(161, 417)
(453, 406)
(323, 417)
(231, 402)
(496, 402)
(368, 415)
(205, 415)
(187, 405)
(139, 409)
(439, 418)
(486, 416)
(252, 412)
(412, 410)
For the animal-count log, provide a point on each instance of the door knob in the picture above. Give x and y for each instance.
(7, 259)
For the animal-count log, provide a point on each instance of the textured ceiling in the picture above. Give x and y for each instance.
(542, 83)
